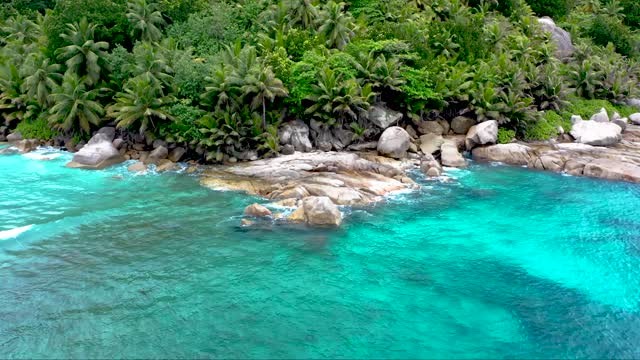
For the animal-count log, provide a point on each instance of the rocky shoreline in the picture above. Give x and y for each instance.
(314, 180)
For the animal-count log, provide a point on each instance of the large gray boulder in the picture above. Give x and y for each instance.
(634, 103)
(320, 210)
(596, 133)
(512, 154)
(634, 118)
(383, 117)
(108, 132)
(482, 134)
(394, 142)
(99, 153)
(462, 124)
(450, 156)
(560, 37)
(296, 133)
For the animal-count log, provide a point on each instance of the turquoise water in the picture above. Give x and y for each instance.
(502, 262)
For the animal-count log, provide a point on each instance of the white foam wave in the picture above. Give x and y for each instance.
(14, 233)
(37, 156)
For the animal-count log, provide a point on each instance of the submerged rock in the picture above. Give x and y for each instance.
(99, 153)
(394, 142)
(257, 210)
(320, 210)
(137, 167)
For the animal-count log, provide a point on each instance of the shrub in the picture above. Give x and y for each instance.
(109, 15)
(604, 30)
(631, 13)
(207, 31)
(552, 8)
(546, 127)
(505, 136)
(585, 108)
(36, 129)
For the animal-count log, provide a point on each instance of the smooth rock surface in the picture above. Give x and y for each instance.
(596, 133)
(634, 118)
(618, 162)
(97, 154)
(346, 178)
(14, 137)
(320, 210)
(482, 134)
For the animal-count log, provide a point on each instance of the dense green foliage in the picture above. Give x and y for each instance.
(222, 75)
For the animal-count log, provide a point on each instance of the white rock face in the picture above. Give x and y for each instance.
(482, 134)
(596, 133)
(394, 142)
(295, 133)
(430, 143)
(383, 117)
(99, 153)
(635, 118)
(561, 37)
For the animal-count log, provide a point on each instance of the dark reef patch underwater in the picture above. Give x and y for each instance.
(503, 262)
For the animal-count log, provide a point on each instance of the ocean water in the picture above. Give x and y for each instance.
(500, 262)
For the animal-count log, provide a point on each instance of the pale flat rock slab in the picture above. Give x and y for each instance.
(619, 162)
(344, 178)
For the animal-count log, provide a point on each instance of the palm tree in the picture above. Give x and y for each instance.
(262, 85)
(83, 55)
(152, 65)
(386, 74)
(336, 25)
(333, 96)
(43, 78)
(220, 92)
(141, 102)
(145, 19)
(21, 29)
(12, 103)
(75, 106)
(302, 12)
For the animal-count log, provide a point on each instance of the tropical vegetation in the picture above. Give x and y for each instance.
(222, 75)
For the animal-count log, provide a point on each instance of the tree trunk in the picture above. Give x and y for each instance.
(264, 115)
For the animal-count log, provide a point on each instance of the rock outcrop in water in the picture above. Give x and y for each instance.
(619, 162)
(340, 178)
(99, 152)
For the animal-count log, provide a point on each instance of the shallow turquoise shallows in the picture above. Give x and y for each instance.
(502, 262)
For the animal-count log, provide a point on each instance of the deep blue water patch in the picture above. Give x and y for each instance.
(501, 262)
